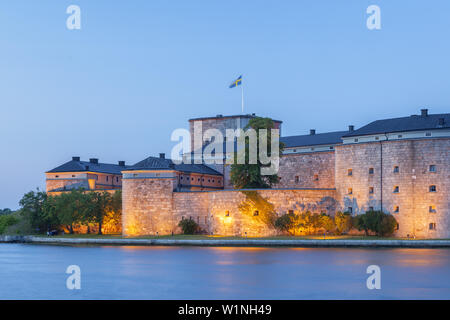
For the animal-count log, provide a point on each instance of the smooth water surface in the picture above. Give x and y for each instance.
(115, 272)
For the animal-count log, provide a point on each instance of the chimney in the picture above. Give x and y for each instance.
(162, 155)
(75, 158)
(312, 132)
(424, 112)
(441, 122)
(351, 128)
(122, 163)
(93, 160)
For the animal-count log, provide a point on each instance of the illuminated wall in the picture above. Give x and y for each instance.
(396, 176)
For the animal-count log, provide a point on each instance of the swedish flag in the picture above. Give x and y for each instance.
(236, 82)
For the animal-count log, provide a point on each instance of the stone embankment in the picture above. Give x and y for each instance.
(230, 243)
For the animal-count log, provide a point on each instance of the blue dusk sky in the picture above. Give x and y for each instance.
(137, 70)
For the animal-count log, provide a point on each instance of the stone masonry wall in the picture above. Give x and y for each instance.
(413, 179)
(314, 170)
(150, 206)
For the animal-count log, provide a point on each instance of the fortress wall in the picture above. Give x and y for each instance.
(147, 206)
(305, 166)
(413, 157)
(150, 206)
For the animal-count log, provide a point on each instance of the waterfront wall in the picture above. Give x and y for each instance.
(150, 207)
(396, 176)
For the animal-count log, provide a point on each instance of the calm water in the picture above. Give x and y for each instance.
(38, 272)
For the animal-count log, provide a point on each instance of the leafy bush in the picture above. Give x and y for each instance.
(376, 221)
(6, 221)
(287, 223)
(189, 226)
(343, 222)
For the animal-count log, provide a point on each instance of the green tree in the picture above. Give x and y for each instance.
(326, 222)
(343, 222)
(380, 223)
(287, 223)
(69, 207)
(33, 205)
(99, 204)
(247, 175)
(5, 211)
(188, 226)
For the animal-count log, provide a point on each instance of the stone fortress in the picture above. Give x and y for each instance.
(399, 165)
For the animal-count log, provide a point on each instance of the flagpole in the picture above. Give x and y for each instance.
(242, 95)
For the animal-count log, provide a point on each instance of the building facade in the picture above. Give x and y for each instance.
(400, 166)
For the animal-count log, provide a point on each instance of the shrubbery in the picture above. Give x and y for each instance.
(7, 220)
(189, 226)
(305, 223)
(380, 223)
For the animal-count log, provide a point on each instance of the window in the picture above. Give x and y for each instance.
(181, 178)
(428, 134)
(135, 175)
(198, 180)
(56, 176)
(203, 179)
(398, 227)
(400, 136)
(209, 180)
(377, 138)
(396, 189)
(432, 209)
(297, 179)
(350, 191)
(370, 208)
(350, 209)
(107, 178)
(73, 176)
(218, 181)
(295, 150)
(192, 179)
(182, 217)
(349, 172)
(316, 177)
(356, 140)
(396, 209)
(432, 188)
(213, 180)
(432, 168)
(371, 171)
(117, 179)
(331, 148)
(291, 211)
(256, 213)
(371, 190)
(396, 169)
(432, 226)
(227, 213)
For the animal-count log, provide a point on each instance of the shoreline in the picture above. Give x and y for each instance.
(319, 243)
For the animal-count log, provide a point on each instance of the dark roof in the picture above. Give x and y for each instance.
(313, 139)
(412, 123)
(80, 166)
(154, 163)
(249, 116)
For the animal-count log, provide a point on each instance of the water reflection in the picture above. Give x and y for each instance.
(138, 272)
